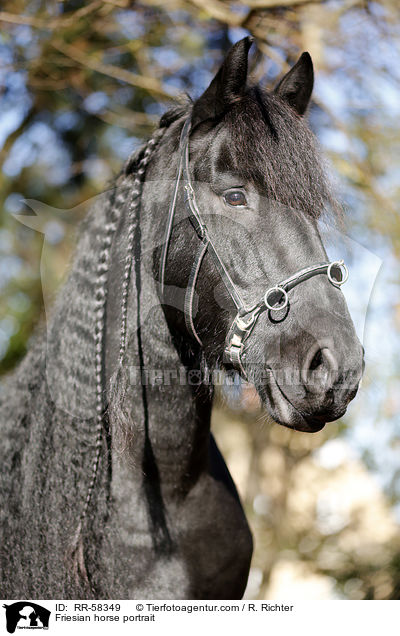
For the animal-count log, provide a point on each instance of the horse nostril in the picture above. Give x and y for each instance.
(320, 369)
(316, 361)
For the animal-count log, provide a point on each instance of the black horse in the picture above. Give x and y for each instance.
(204, 254)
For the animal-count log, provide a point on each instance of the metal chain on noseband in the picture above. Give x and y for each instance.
(100, 302)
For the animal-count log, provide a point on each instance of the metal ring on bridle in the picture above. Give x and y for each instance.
(274, 290)
(344, 272)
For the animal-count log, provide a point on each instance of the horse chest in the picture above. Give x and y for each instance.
(210, 550)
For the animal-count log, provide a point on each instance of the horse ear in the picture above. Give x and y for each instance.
(227, 86)
(296, 86)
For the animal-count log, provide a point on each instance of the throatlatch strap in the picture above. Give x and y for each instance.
(201, 231)
(201, 228)
(172, 208)
(191, 288)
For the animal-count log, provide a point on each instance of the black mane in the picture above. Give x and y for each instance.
(271, 146)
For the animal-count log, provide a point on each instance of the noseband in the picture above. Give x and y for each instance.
(275, 298)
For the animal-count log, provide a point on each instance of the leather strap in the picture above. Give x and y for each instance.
(191, 288)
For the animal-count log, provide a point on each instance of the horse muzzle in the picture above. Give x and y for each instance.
(305, 399)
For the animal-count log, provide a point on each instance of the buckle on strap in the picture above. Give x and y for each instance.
(233, 354)
(236, 337)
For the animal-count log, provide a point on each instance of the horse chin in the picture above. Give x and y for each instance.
(284, 412)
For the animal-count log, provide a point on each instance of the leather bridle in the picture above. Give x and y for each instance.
(275, 298)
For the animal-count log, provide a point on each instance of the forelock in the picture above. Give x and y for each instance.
(268, 144)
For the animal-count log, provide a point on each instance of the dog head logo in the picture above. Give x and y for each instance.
(26, 615)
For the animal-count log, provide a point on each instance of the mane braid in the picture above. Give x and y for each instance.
(161, 538)
(136, 193)
(99, 311)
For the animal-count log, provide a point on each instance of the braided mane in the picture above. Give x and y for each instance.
(57, 399)
(136, 165)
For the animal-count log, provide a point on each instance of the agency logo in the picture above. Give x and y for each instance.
(26, 615)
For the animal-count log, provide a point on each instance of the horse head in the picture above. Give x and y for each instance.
(246, 247)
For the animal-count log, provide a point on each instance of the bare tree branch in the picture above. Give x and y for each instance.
(128, 120)
(50, 24)
(147, 83)
(219, 11)
(276, 4)
(29, 20)
(121, 4)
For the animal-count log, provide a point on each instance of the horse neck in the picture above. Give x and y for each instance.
(155, 405)
(70, 340)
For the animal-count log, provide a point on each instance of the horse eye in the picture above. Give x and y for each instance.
(235, 197)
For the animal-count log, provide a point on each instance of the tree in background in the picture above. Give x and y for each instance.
(81, 85)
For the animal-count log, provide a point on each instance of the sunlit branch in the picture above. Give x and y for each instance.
(147, 83)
